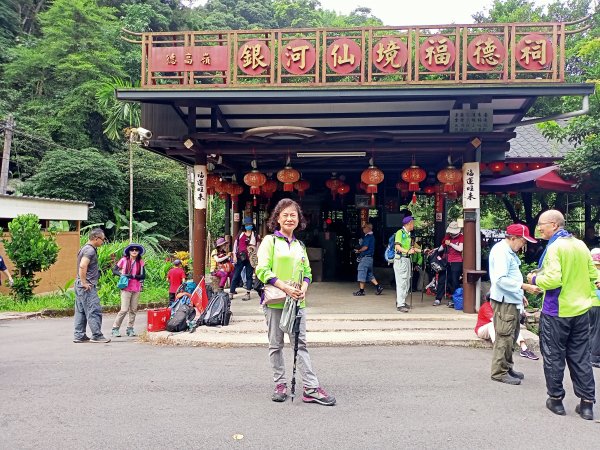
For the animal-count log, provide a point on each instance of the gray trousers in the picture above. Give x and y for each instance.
(276, 343)
(403, 275)
(129, 304)
(87, 312)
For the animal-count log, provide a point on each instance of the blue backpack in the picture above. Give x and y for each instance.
(390, 251)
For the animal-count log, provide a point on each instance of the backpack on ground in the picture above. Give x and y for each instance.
(182, 312)
(390, 250)
(218, 311)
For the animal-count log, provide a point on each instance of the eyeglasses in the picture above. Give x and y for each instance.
(544, 223)
(103, 239)
(134, 250)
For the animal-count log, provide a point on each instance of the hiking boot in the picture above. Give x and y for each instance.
(359, 293)
(100, 340)
(378, 289)
(437, 302)
(585, 409)
(246, 297)
(506, 378)
(280, 393)
(115, 332)
(82, 340)
(130, 332)
(402, 308)
(515, 374)
(529, 354)
(317, 395)
(556, 406)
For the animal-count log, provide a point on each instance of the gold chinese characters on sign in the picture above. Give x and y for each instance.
(254, 57)
(437, 53)
(390, 54)
(534, 52)
(298, 56)
(343, 56)
(486, 52)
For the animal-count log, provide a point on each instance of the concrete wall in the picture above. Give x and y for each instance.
(63, 270)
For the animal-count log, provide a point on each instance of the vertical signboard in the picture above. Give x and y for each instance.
(200, 186)
(471, 185)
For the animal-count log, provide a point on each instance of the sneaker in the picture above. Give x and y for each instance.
(318, 395)
(379, 289)
(437, 303)
(100, 340)
(246, 297)
(83, 340)
(529, 354)
(280, 393)
(359, 293)
(450, 304)
(130, 332)
(115, 332)
(402, 308)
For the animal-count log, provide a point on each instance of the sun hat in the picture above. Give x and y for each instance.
(520, 230)
(134, 245)
(453, 228)
(596, 255)
(407, 219)
(220, 241)
(248, 221)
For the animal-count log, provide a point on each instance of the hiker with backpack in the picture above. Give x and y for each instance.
(221, 265)
(404, 249)
(281, 260)
(365, 262)
(241, 259)
(130, 268)
(451, 250)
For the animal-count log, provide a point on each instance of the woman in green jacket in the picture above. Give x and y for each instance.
(283, 263)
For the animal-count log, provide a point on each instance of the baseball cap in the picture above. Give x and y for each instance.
(520, 230)
(407, 219)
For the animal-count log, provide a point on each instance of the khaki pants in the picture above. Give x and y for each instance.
(129, 304)
(506, 324)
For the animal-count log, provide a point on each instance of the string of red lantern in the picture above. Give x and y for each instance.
(372, 176)
(255, 180)
(288, 176)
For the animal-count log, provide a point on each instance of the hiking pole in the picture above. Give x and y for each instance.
(297, 320)
(410, 271)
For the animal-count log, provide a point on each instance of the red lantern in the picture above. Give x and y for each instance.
(482, 167)
(333, 184)
(212, 182)
(536, 165)
(497, 166)
(402, 187)
(449, 176)
(372, 176)
(269, 188)
(255, 180)
(301, 186)
(429, 190)
(413, 176)
(343, 189)
(517, 167)
(288, 176)
(234, 190)
(222, 188)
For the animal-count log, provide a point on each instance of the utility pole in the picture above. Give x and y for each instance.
(8, 134)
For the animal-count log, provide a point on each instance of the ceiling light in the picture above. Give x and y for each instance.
(331, 154)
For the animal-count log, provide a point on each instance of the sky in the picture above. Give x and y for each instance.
(432, 12)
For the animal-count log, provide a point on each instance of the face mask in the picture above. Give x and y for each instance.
(248, 227)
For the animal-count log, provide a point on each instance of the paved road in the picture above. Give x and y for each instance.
(56, 394)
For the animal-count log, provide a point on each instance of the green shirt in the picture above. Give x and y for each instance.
(287, 261)
(403, 239)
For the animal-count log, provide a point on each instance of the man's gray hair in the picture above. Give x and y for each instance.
(553, 215)
(96, 233)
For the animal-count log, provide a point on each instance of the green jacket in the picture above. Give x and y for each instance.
(567, 276)
(403, 239)
(282, 260)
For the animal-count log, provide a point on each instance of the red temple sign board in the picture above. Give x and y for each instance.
(298, 56)
(188, 59)
(253, 57)
(437, 53)
(390, 54)
(486, 52)
(343, 56)
(534, 52)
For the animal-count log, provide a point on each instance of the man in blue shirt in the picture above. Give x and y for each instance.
(4, 269)
(365, 264)
(506, 294)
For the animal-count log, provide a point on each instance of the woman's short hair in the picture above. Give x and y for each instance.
(273, 223)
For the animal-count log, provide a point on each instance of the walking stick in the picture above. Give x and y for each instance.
(296, 339)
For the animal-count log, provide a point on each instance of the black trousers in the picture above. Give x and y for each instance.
(567, 340)
(449, 279)
(237, 275)
(595, 335)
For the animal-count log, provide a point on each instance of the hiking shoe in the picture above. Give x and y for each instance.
(585, 409)
(130, 332)
(529, 354)
(437, 303)
(378, 289)
(359, 293)
(280, 393)
(402, 308)
(515, 374)
(506, 378)
(318, 395)
(556, 406)
(115, 332)
(450, 304)
(100, 340)
(81, 340)
(246, 297)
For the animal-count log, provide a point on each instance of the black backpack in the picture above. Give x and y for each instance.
(217, 312)
(181, 314)
(437, 260)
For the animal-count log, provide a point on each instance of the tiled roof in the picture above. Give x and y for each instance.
(62, 200)
(530, 143)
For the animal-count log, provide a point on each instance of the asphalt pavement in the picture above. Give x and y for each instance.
(131, 394)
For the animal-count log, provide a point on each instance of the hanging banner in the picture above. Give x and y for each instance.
(471, 185)
(200, 187)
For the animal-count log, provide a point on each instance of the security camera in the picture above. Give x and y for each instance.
(142, 133)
